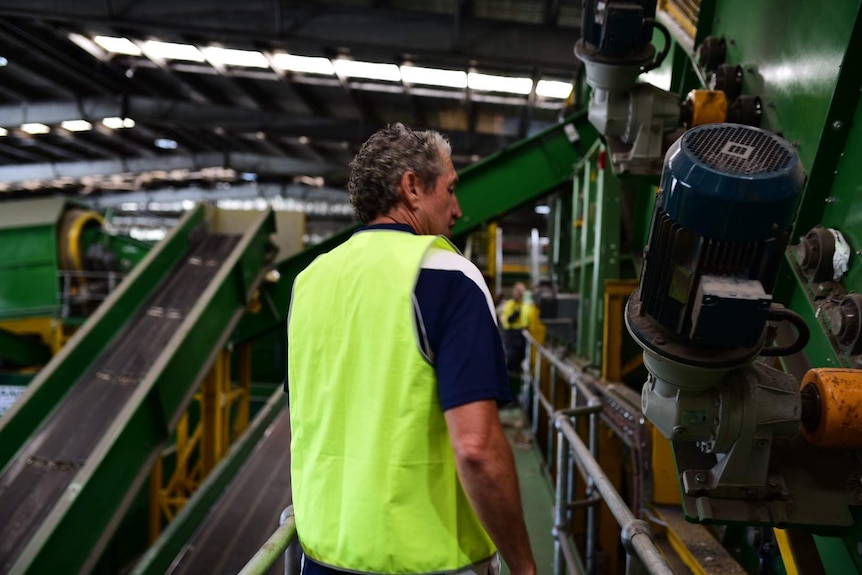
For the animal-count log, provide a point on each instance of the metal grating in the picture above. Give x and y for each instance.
(738, 150)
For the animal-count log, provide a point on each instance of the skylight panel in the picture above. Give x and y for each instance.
(553, 89)
(306, 64)
(76, 125)
(172, 51)
(117, 45)
(231, 57)
(434, 76)
(491, 83)
(369, 70)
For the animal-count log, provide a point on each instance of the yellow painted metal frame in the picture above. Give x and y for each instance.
(664, 477)
(49, 329)
(786, 549)
(222, 411)
(695, 545)
(668, 7)
(613, 368)
(74, 237)
(492, 253)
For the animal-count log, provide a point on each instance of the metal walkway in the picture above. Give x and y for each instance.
(537, 494)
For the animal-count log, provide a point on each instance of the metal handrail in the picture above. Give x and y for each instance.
(276, 546)
(636, 534)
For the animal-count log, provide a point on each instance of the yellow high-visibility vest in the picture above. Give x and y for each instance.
(375, 487)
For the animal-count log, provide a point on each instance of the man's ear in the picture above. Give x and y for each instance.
(409, 189)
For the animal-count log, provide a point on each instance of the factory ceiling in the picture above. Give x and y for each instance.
(108, 97)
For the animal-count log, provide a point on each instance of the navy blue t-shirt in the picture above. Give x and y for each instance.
(460, 336)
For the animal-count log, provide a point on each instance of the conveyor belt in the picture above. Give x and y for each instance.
(248, 511)
(31, 485)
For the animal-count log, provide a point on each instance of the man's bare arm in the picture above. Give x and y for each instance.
(486, 469)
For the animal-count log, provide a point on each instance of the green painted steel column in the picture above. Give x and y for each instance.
(575, 240)
(606, 255)
(584, 262)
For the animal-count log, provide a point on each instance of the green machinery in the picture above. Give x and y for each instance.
(93, 492)
(58, 263)
(78, 445)
(790, 69)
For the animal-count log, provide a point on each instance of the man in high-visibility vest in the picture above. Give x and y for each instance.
(395, 372)
(514, 319)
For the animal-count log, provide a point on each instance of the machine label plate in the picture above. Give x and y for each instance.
(9, 394)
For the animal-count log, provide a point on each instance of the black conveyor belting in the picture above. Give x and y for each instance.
(248, 511)
(31, 485)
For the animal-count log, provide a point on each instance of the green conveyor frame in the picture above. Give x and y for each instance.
(80, 523)
(22, 351)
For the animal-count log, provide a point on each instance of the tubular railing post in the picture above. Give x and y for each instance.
(633, 565)
(550, 453)
(591, 486)
(537, 390)
(561, 525)
(526, 380)
(636, 536)
(293, 553)
(571, 470)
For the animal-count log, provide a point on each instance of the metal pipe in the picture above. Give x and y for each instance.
(591, 486)
(537, 391)
(571, 470)
(270, 551)
(552, 403)
(526, 379)
(574, 375)
(576, 380)
(636, 536)
(589, 502)
(569, 554)
(293, 553)
(580, 410)
(562, 503)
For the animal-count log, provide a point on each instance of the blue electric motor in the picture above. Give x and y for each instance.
(722, 220)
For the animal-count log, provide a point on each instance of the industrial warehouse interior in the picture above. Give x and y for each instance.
(676, 182)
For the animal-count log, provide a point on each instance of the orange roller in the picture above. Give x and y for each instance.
(839, 423)
(707, 107)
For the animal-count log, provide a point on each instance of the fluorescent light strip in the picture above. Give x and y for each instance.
(116, 123)
(489, 83)
(35, 128)
(172, 51)
(434, 77)
(231, 57)
(307, 64)
(3, 132)
(369, 70)
(118, 45)
(553, 89)
(76, 125)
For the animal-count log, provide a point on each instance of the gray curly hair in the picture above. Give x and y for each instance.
(377, 168)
